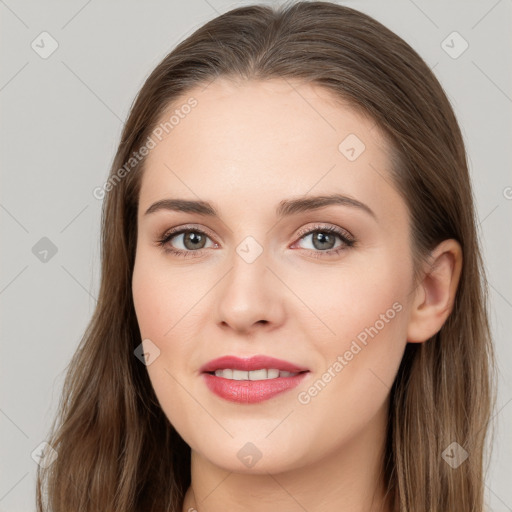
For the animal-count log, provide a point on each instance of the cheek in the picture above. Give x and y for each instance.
(371, 291)
(364, 325)
(161, 316)
(159, 298)
(165, 301)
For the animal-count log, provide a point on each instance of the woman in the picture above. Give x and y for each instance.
(292, 308)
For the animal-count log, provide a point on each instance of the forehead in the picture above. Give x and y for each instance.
(264, 140)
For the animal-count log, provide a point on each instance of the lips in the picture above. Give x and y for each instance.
(258, 362)
(246, 390)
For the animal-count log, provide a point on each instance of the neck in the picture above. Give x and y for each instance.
(350, 478)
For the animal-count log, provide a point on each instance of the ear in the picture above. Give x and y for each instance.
(435, 294)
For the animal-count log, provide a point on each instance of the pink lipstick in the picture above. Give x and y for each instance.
(251, 380)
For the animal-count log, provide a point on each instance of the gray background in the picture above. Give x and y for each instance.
(61, 120)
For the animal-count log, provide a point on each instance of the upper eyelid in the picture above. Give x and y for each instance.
(319, 227)
(181, 229)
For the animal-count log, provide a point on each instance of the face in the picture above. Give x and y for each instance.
(266, 270)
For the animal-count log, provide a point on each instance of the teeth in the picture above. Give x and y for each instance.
(262, 374)
(272, 374)
(257, 375)
(240, 375)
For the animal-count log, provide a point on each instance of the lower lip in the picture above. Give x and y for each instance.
(251, 391)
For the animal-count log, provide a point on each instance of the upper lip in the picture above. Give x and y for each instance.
(256, 362)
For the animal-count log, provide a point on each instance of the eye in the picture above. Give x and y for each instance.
(323, 240)
(192, 240)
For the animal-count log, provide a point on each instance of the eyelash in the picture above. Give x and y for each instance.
(348, 241)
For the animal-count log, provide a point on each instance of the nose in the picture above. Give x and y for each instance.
(250, 295)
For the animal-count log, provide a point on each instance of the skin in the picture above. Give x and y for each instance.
(245, 147)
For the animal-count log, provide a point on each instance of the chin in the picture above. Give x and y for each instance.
(260, 457)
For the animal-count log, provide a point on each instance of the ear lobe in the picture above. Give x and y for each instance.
(435, 295)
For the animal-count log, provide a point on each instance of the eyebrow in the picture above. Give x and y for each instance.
(285, 208)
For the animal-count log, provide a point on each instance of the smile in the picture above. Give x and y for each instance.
(251, 380)
(262, 374)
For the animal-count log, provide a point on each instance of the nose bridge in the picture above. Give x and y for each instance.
(248, 276)
(248, 294)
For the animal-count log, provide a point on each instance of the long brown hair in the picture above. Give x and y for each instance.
(116, 449)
